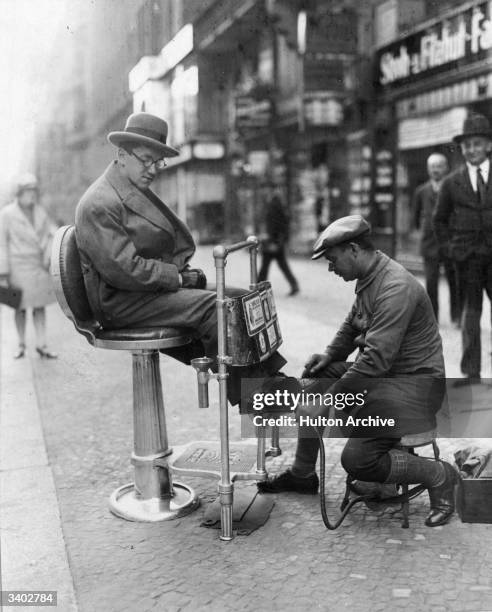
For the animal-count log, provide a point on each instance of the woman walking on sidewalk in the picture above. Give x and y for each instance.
(25, 242)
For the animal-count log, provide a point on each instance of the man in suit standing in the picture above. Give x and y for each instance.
(424, 204)
(135, 251)
(463, 226)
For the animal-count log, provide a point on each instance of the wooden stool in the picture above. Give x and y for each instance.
(407, 444)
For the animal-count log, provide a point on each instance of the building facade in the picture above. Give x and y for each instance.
(336, 103)
(426, 83)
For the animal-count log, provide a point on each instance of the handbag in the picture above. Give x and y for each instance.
(10, 296)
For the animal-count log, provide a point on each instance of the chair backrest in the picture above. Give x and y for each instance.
(68, 280)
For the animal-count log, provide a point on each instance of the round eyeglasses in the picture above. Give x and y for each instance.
(159, 164)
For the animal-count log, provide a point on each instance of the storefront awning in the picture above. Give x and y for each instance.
(429, 130)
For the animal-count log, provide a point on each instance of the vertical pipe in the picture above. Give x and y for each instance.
(253, 269)
(260, 456)
(225, 485)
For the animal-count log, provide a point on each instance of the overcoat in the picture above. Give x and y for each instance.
(425, 200)
(132, 247)
(24, 253)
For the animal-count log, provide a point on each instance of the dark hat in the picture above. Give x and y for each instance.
(145, 129)
(341, 230)
(475, 125)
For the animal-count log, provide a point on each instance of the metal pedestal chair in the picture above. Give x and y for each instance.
(153, 496)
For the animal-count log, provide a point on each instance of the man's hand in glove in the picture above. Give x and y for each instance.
(193, 278)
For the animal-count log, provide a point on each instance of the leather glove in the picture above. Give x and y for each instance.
(193, 278)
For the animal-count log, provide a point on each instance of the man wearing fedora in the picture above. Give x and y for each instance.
(135, 251)
(463, 227)
(399, 369)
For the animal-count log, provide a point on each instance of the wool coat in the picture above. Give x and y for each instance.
(132, 248)
(399, 365)
(25, 253)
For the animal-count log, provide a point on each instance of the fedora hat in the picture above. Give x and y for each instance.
(144, 129)
(474, 125)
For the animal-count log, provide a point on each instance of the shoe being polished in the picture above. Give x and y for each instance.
(287, 481)
(442, 498)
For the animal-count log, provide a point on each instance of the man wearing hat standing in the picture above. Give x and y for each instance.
(399, 368)
(135, 251)
(463, 227)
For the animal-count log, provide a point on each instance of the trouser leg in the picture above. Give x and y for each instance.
(265, 265)
(307, 442)
(377, 460)
(455, 307)
(431, 268)
(284, 266)
(473, 276)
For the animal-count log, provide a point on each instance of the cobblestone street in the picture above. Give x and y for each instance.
(56, 483)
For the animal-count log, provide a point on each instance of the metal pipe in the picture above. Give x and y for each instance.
(202, 366)
(260, 457)
(226, 487)
(253, 269)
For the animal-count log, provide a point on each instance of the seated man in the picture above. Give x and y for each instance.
(135, 251)
(400, 365)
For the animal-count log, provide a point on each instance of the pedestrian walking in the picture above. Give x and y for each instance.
(463, 227)
(26, 233)
(274, 245)
(434, 256)
(399, 365)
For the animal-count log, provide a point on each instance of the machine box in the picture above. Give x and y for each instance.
(253, 331)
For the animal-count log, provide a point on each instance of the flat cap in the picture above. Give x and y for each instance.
(339, 231)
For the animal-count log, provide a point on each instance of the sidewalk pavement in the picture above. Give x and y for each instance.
(66, 443)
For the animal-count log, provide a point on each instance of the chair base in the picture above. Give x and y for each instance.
(126, 503)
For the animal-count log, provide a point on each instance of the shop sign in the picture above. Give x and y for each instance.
(430, 130)
(462, 38)
(252, 113)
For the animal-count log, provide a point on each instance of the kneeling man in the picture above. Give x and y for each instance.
(399, 366)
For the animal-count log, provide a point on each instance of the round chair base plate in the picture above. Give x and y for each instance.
(126, 503)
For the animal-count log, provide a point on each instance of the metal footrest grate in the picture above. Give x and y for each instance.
(203, 459)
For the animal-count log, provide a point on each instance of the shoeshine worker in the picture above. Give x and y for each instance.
(399, 365)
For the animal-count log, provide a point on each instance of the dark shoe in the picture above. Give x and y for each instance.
(293, 291)
(286, 481)
(44, 353)
(20, 352)
(465, 382)
(442, 498)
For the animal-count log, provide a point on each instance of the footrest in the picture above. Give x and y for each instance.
(202, 458)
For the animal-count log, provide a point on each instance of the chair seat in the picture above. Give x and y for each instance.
(142, 338)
